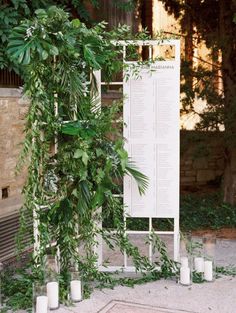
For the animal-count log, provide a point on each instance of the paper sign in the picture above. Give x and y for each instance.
(151, 119)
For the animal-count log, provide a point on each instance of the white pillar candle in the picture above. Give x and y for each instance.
(184, 261)
(76, 290)
(199, 264)
(41, 304)
(185, 275)
(208, 270)
(53, 295)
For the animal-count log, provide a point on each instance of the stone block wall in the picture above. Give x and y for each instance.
(202, 159)
(202, 155)
(13, 109)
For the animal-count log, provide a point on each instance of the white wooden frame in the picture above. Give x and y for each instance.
(99, 248)
(175, 232)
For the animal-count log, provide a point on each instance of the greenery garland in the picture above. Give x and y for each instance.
(68, 180)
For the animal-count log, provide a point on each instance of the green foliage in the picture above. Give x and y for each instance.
(226, 271)
(206, 212)
(197, 278)
(66, 186)
(126, 5)
(17, 289)
(10, 16)
(17, 283)
(13, 12)
(204, 88)
(202, 20)
(196, 212)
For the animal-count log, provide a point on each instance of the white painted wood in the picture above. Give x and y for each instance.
(36, 232)
(150, 143)
(166, 80)
(98, 248)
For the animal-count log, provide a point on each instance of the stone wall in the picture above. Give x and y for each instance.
(12, 118)
(202, 159)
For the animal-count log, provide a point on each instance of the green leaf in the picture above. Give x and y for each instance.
(20, 29)
(78, 153)
(99, 152)
(41, 13)
(75, 193)
(44, 55)
(123, 158)
(98, 197)
(26, 59)
(141, 179)
(72, 128)
(81, 154)
(76, 22)
(85, 158)
(21, 57)
(100, 175)
(90, 56)
(15, 42)
(54, 50)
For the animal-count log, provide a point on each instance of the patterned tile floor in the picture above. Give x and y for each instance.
(126, 307)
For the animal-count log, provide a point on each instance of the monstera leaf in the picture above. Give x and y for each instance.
(77, 128)
(27, 39)
(19, 49)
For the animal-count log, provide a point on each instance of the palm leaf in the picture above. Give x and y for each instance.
(141, 179)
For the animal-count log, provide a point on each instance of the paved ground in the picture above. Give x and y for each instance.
(166, 296)
(225, 250)
(216, 297)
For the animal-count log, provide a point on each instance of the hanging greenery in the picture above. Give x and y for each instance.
(73, 148)
(13, 12)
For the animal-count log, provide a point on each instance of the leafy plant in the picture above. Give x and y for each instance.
(13, 12)
(197, 278)
(16, 285)
(227, 271)
(75, 156)
(204, 212)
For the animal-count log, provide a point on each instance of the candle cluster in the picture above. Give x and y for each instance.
(204, 267)
(47, 295)
(202, 263)
(48, 299)
(51, 299)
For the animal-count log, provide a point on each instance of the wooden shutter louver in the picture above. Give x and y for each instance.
(9, 79)
(9, 227)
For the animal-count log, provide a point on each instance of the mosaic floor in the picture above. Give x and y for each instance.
(126, 307)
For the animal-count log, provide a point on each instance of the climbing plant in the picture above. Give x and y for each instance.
(73, 147)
